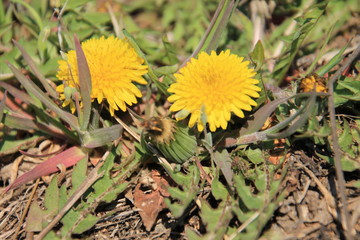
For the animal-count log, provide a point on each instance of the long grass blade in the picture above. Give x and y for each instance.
(36, 71)
(85, 85)
(31, 87)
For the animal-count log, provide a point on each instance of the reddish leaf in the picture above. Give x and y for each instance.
(67, 158)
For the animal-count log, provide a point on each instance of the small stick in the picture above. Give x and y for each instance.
(92, 177)
(201, 169)
(327, 195)
(345, 220)
(26, 209)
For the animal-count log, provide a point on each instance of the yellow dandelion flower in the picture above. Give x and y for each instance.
(313, 82)
(114, 66)
(212, 87)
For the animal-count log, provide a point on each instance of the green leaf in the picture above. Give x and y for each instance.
(303, 113)
(321, 52)
(85, 85)
(34, 90)
(334, 61)
(37, 218)
(185, 197)
(73, 4)
(170, 51)
(347, 164)
(218, 190)
(11, 57)
(304, 26)
(63, 196)
(191, 234)
(176, 192)
(162, 87)
(69, 220)
(51, 198)
(218, 23)
(101, 136)
(346, 90)
(351, 84)
(355, 184)
(260, 181)
(34, 218)
(88, 222)
(11, 144)
(112, 195)
(255, 155)
(166, 70)
(52, 236)
(345, 139)
(224, 162)
(217, 26)
(250, 200)
(216, 220)
(257, 55)
(33, 13)
(2, 13)
(36, 71)
(261, 115)
(78, 175)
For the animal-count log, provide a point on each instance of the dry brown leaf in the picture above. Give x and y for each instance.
(149, 196)
(278, 152)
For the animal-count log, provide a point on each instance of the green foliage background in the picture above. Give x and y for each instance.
(246, 189)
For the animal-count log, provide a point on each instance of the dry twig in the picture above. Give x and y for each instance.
(345, 218)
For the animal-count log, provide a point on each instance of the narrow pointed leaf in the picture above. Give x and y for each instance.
(2, 13)
(19, 123)
(68, 158)
(265, 111)
(78, 174)
(36, 17)
(302, 119)
(304, 25)
(334, 61)
(17, 93)
(52, 127)
(257, 55)
(170, 51)
(9, 144)
(261, 116)
(85, 84)
(248, 136)
(51, 198)
(31, 87)
(36, 71)
(217, 25)
(322, 50)
(224, 162)
(162, 87)
(283, 124)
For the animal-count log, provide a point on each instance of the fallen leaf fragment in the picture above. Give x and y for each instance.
(68, 158)
(150, 200)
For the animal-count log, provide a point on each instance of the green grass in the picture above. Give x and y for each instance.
(236, 179)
